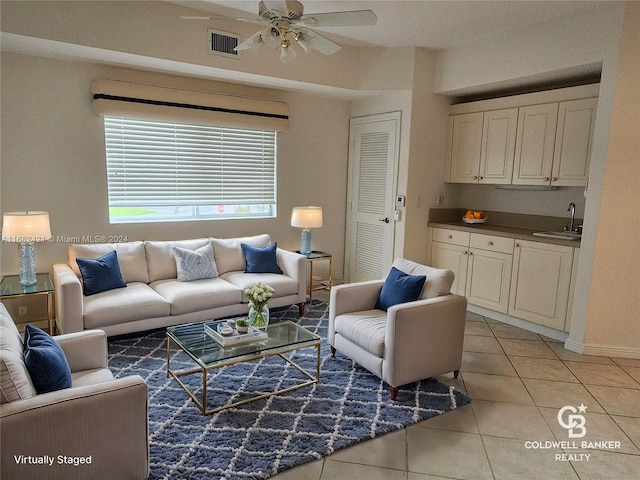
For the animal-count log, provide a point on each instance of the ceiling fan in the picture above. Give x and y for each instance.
(287, 22)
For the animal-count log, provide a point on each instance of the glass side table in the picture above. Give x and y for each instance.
(316, 256)
(11, 289)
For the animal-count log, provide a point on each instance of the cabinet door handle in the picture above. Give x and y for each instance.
(546, 179)
(470, 253)
(449, 237)
(554, 179)
(385, 220)
(490, 242)
(481, 178)
(475, 177)
(517, 244)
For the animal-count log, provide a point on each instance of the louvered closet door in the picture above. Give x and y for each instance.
(373, 167)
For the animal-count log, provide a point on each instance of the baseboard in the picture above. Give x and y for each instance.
(602, 350)
(518, 322)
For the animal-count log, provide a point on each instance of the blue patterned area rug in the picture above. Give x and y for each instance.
(261, 438)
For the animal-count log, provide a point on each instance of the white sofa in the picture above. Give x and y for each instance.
(154, 298)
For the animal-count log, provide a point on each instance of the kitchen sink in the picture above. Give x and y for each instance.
(560, 235)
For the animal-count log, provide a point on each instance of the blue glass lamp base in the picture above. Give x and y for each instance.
(27, 255)
(305, 242)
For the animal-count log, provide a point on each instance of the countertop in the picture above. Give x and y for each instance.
(444, 219)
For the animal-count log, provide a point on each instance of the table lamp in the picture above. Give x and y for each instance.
(306, 218)
(26, 228)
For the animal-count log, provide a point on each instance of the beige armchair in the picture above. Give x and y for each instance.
(410, 341)
(96, 429)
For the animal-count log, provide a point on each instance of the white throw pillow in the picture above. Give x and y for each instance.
(195, 264)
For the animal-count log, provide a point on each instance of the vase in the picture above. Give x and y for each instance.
(259, 317)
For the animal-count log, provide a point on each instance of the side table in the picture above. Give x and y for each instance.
(11, 289)
(316, 256)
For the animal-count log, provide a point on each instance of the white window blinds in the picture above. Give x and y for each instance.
(201, 171)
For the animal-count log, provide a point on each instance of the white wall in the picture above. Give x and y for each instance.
(612, 307)
(544, 51)
(53, 159)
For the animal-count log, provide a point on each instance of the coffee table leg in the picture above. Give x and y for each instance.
(168, 355)
(204, 391)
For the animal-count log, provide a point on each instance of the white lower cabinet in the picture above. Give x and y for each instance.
(541, 279)
(481, 265)
(527, 280)
(488, 279)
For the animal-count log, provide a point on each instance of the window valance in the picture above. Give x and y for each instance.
(149, 102)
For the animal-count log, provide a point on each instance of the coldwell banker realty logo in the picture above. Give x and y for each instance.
(575, 423)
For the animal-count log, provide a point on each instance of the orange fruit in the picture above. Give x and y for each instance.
(477, 215)
(469, 214)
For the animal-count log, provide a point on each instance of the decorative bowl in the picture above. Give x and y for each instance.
(474, 220)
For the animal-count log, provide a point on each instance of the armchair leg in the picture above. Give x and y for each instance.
(333, 351)
(301, 308)
(455, 373)
(394, 392)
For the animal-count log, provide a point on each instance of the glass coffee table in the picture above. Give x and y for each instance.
(282, 337)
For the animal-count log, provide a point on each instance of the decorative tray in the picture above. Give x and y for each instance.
(234, 338)
(474, 220)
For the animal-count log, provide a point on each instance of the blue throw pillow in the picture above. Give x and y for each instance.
(45, 361)
(101, 274)
(261, 260)
(400, 287)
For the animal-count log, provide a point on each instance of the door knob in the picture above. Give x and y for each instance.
(385, 220)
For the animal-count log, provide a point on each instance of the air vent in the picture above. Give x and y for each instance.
(223, 43)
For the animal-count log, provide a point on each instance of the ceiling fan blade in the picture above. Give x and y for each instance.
(221, 17)
(277, 5)
(254, 40)
(355, 18)
(324, 45)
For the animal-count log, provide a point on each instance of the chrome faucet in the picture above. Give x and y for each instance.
(571, 227)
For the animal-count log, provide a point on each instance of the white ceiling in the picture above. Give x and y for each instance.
(419, 23)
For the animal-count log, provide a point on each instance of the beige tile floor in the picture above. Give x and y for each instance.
(518, 381)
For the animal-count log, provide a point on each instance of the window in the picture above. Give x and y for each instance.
(166, 171)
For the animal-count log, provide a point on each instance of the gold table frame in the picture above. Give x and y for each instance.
(204, 367)
(10, 289)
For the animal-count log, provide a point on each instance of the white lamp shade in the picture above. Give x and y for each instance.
(26, 227)
(306, 217)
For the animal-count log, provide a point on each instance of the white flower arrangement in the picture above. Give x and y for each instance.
(259, 295)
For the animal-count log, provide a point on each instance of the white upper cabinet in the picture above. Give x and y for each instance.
(465, 147)
(498, 145)
(481, 146)
(574, 137)
(534, 144)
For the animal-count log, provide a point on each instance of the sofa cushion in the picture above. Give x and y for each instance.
(438, 281)
(136, 302)
(198, 295)
(161, 262)
(282, 284)
(45, 360)
(366, 329)
(261, 259)
(228, 252)
(400, 287)
(195, 264)
(101, 274)
(131, 257)
(15, 381)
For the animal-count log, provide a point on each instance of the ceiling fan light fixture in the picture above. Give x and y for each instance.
(287, 54)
